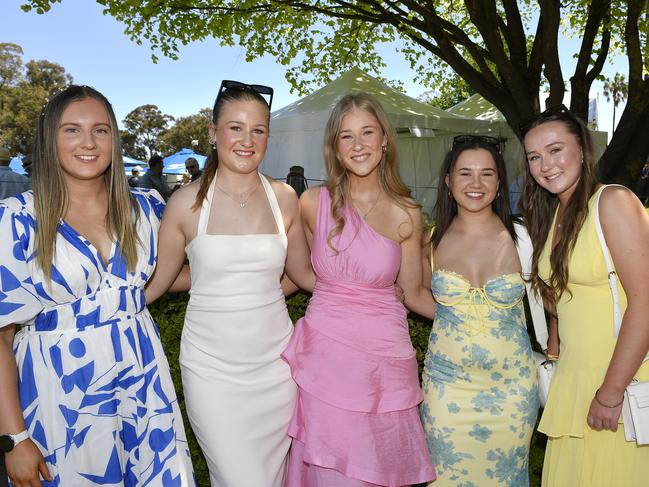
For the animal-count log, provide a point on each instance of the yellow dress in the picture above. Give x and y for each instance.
(577, 455)
(480, 392)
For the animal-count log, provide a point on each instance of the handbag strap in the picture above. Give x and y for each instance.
(524, 249)
(612, 275)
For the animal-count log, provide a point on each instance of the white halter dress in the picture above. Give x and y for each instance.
(238, 391)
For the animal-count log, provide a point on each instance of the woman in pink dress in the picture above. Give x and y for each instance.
(356, 421)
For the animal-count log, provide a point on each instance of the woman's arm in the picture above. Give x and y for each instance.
(626, 229)
(171, 248)
(417, 297)
(25, 461)
(298, 263)
(553, 337)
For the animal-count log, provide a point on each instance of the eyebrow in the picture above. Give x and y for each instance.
(63, 124)
(243, 123)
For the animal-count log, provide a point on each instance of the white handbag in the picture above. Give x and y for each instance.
(635, 408)
(544, 367)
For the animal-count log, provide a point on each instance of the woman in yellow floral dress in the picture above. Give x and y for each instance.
(479, 381)
(586, 443)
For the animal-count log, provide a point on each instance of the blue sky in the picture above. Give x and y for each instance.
(94, 50)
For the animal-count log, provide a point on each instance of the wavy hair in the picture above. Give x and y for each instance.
(390, 181)
(446, 207)
(243, 93)
(50, 191)
(539, 206)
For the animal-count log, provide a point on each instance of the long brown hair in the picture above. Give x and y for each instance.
(446, 207)
(242, 93)
(539, 205)
(338, 179)
(50, 191)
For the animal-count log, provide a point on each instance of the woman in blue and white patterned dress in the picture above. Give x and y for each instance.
(94, 394)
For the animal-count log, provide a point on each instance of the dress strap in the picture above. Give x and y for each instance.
(206, 207)
(274, 205)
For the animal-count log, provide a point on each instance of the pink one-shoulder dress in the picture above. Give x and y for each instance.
(356, 420)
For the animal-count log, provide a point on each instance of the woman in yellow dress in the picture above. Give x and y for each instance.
(480, 394)
(586, 442)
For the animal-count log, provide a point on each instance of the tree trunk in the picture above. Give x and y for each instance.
(628, 149)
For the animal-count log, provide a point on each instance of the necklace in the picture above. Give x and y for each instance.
(243, 200)
(365, 214)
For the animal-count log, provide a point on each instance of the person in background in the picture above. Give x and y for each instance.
(356, 422)
(27, 165)
(11, 183)
(194, 171)
(134, 178)
(480, 392)
(295, 178)
(154, 179)
(586, 442)
(86, 396)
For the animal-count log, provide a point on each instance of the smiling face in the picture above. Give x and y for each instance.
(84, 140)
(359, 143)
(554, 157)
(241, 135)
(473, 180)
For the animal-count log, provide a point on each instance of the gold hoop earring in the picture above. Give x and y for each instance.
(384, 148)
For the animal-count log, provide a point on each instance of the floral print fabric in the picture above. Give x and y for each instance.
(479, 383)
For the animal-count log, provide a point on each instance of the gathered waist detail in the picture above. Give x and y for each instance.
(105, 307)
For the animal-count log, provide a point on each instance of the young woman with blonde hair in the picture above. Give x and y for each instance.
(586, 442)
(356, 421)
(94, 402)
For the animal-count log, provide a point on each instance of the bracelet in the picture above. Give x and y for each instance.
(552, 356)
(606, 406)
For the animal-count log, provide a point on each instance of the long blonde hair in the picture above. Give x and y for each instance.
(539, 205)
(390, 181)
(50, 191)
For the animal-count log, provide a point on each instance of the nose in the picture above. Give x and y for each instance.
(545, 164)
(246, 139)
(88, 140)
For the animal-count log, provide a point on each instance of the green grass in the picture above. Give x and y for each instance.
(169, 313)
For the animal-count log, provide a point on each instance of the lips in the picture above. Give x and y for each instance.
(87, 158)
(360, 157)
(474, 195)
(244, 153)
(552, 177)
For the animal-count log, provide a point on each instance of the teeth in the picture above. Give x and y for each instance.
(475, 195)
(360, 158)
(244, 153)
(554, 176)
(87, 158)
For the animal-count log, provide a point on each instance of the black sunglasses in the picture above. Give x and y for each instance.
(486, 139)
(231, 85)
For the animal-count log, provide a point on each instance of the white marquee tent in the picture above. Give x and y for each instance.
(424, 134)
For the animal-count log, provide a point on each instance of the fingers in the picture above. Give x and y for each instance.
(42, 469)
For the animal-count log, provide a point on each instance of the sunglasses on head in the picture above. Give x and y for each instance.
(486, 139)
(231, 85)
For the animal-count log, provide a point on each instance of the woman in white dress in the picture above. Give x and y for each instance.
(240, 231)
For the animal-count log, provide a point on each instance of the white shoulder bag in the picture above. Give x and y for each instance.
(544, 366)
(635, 408)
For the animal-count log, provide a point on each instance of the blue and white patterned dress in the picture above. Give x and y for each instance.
(93, 380)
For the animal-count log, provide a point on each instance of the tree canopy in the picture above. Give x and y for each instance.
(504, 49)
(24, 88)
(143, 127)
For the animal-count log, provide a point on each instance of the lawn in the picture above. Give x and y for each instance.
(169, 313)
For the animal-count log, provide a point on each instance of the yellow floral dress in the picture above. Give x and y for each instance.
(480, 392)
(577, 455)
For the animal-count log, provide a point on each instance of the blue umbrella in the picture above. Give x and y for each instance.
(16, 165)
(175, 163)
(129, 162)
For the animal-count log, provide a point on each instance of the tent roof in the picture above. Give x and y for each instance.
(404, 111)
(175, 163)
(476, 106)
